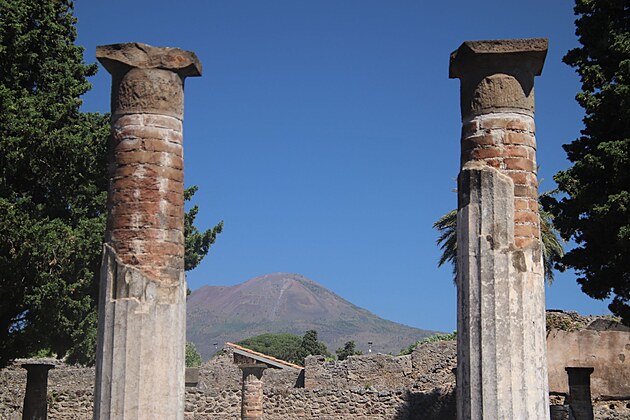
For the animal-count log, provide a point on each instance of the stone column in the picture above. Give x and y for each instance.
(580, 403)
(36, 398)
(501, 348)
(142, 302)
(252, 395)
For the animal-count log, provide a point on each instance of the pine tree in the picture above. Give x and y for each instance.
(193, 358)
(348, 349)
(594, 206)
(53, 187)
(52, 184)
(311, 345)
(197, 243)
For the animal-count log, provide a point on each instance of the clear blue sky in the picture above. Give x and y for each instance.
(326, 134)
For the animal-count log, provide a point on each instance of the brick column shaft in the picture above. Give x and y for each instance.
(506, 141)
(142, 302)
(501, 348)
(252, 398)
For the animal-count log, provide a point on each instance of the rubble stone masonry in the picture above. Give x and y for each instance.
(339, 390)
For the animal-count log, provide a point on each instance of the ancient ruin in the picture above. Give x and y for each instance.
(142, 315)
(420, 385)
(502, 365)
(253, 365)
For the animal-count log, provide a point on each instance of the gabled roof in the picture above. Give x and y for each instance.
(263, 358)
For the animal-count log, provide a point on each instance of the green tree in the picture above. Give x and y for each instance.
(282, 346)
(193, 358)
(447, 240)
(551, 246)
(348, 349)
(197, 243)
(593, 207)
(311, 345)
(52, 184)
(53, 187)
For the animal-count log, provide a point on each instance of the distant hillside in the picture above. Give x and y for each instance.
(288, 303)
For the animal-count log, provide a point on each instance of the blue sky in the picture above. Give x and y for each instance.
(326, 134)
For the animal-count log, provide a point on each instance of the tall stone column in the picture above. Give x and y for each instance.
(252, 398)
(36, 396)
(142, 303)
(501, 348)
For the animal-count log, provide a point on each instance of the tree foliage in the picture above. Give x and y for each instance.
(192, 356)
(593, 207)
(447, 239)
(288, 347)
(348, 349)
(53, 187)
(281, 346)
(197, 243)
(311, 346)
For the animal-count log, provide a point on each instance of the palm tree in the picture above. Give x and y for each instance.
(447, 227)
(552, 250)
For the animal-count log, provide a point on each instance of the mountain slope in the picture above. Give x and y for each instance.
(288, 303)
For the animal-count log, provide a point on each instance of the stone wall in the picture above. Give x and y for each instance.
(373, 386)
(608, 352)
(220, 372)
(429, 366)
(70, 391)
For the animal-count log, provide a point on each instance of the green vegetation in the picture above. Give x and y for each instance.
(193, 358)
(593, 205)
(281, 346)
(311, 345)
(53, 187)
(432, 339)
(447, 241)
(348, 349)
(197, 244)
(288, 347)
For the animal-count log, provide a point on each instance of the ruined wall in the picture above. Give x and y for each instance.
(374, 386)
(71, 394)
(608, 352)
(429, 366)
(221, 373)
(70, 391)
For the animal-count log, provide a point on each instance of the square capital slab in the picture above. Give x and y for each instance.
(121, 57)
(498, 75)
(496, 55)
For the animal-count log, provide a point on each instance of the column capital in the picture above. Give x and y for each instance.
(43, 367)
(255, 369)
(121, 57)
(498, 75)
(148, 79)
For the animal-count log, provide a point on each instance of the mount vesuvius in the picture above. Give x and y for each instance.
(288, 303)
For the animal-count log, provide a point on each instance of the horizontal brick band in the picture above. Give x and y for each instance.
(506, 141)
